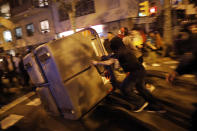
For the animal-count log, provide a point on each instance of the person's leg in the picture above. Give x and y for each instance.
(10, 77)
(154, 105)
(127, 89)
(140, 86)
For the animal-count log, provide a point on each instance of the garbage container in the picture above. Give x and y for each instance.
(65, 66)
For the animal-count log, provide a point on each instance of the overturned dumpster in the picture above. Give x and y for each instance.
(66, 82)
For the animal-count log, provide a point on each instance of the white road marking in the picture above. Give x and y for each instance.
(15, 102)
(189, 76)
(10, 121)
(155, 64)
(35, 102)
(171, 62)
(172, 67)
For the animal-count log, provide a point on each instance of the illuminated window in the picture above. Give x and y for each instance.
(43, 3)
(44, 25)
(30, 29)
(18, 32)
(7, 35)
(5, 11)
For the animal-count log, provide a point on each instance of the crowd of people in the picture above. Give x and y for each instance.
(128, 49)
(142, 44)
(12, 68)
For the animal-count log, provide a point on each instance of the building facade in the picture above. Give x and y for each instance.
(40, 21)
(33, 21)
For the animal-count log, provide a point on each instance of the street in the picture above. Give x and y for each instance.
(178, 98)
(98, 65)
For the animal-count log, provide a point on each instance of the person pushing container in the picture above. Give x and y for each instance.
(136, 74)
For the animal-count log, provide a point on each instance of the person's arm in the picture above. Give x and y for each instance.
(184, 67)
(150, 45)
(106, 62)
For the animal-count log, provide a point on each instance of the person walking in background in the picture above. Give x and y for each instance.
(151, 41)
(1, 71)
(151, 47)
(122, 31)
(137, 41)
(183, 42)
(10, 68)
(187, 66)
(23, 72)
(159, 40)
(16, 61)
(128, 40)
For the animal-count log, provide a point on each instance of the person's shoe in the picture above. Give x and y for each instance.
(153, 109)
(141, 108)
(150, 87)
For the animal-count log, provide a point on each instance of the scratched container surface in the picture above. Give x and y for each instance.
(75, 85)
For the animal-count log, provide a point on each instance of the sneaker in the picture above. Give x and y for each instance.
(142, 107)
(150, 87)
(153, 109)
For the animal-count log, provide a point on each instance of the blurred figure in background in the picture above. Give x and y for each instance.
(23, 72)
(137, 41)
(131, 41)
(159, 41)
(151, 41)
(188, 65)
(16, 61)
(1, 70)
(151, 47)
(122, 31)
(106, 43)
(10, 68)
(183, 42)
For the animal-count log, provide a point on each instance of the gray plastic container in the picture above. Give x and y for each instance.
(65, 65)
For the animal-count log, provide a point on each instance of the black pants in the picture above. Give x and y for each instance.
(137, 80)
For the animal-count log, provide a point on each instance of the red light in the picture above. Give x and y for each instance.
(153, 10)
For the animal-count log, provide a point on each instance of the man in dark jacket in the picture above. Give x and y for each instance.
(136, 74)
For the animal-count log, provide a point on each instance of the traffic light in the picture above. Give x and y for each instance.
(153, 11)
(144, 8)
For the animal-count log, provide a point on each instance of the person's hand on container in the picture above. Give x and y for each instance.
(94, 62)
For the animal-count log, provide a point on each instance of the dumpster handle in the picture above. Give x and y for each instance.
(99, 71)
(77, 74)
(41, 85)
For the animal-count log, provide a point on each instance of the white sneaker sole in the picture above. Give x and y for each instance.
(142, 107)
